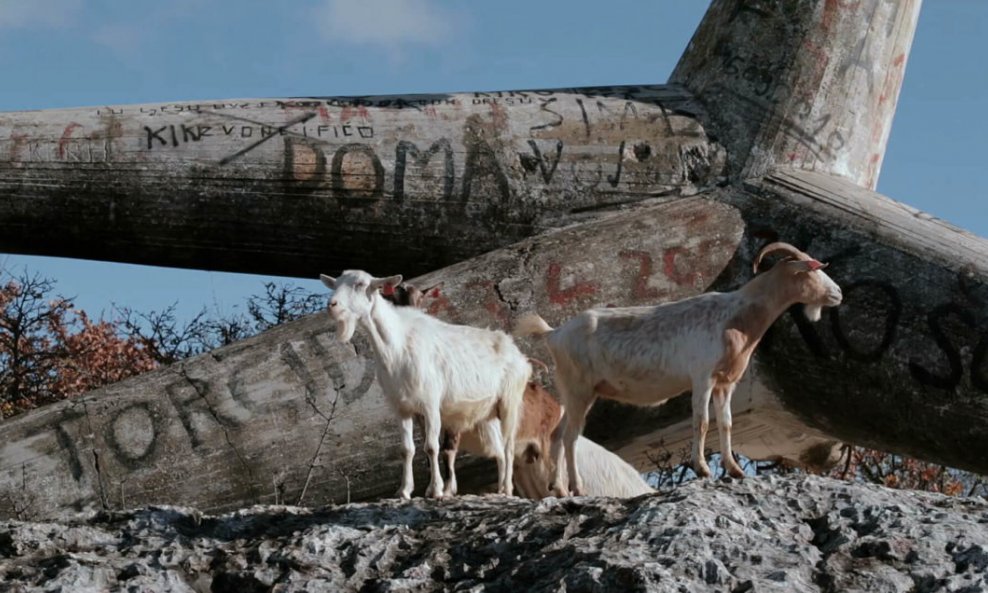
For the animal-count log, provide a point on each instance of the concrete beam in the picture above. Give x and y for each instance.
(295, 187)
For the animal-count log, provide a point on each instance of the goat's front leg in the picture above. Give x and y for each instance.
(451, 443)
(433, 426)
(408, 452)
(722, 408)
(701, 422)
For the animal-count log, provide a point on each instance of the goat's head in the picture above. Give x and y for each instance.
(352, 299)
(409, 295)
(804, 277)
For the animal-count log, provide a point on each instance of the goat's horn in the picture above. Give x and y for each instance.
(776, 247)
(536, 361)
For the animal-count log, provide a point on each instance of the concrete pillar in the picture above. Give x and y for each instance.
(801, 83)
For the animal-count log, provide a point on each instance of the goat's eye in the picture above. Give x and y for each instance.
(361, 285)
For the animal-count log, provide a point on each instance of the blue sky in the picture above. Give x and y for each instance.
(69, 53)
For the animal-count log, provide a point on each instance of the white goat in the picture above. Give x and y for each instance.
(450, 375)
(647, 355)
(605, 473)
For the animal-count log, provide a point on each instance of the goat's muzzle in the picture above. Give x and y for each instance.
(345, 329)
(834, 297)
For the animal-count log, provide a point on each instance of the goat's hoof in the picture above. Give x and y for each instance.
(434, 493)
(404, 495)
(558, 491)
(735, 472)
(703, 471)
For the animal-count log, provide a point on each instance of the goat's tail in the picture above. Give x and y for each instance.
(530, 324)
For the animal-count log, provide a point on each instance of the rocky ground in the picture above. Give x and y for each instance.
(762, 534)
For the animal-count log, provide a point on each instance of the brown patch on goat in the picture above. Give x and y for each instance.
(451, 441)
(742, 335)
(399, 297)
(409, 295)
(540, 411)
(539, 416)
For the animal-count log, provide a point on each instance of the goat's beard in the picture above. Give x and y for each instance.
(813, 312)
(345, 329)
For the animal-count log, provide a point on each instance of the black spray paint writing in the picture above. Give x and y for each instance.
(886, 304)
(196, 403)
(406, 149)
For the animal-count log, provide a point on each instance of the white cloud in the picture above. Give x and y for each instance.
(37, 13)
(387, 23)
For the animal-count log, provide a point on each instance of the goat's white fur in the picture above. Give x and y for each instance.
(646, 355)
(452, 376)
(605, 473)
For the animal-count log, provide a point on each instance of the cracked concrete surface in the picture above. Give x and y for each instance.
(763, 534)
(224, 425)
(292, 358)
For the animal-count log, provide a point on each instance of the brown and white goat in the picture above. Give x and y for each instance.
(647, 355)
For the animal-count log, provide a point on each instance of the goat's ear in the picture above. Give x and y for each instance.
(329, 281)
(808, 265)
(387, 285)
(434, 287)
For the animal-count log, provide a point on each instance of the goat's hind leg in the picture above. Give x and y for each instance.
(408, 452)
(509, 416)
(701, 422)
(433, 426)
